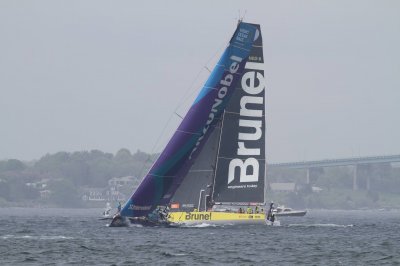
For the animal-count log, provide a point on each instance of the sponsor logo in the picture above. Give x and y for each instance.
(251, 106)
(139, 208)
(174, 205)
(198, 216)
(226, 81)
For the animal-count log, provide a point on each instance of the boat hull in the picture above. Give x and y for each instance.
(192, 218)
(291, 213)
(148, 223)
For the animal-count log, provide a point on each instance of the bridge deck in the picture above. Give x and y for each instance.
(339, 162)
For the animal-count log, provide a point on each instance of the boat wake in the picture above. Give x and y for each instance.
(202, 225)
(321, 225)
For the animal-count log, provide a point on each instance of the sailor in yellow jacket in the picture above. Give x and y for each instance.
(249, 210)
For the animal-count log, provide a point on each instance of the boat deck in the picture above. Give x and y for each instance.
(213, 217)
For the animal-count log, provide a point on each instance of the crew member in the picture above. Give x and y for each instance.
(249, 210)
(272, 218)
(270, 211)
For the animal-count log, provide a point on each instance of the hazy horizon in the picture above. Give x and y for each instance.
(108, 75)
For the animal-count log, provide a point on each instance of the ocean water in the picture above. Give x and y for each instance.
(78, 237)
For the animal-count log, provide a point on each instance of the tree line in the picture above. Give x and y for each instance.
(66, 172)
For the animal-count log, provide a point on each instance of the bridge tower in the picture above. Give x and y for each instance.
(355, 186)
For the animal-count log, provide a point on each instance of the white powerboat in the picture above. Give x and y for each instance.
(285, 211)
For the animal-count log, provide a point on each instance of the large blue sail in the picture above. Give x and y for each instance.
(167, 173)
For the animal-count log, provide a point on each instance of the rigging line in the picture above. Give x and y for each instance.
(187, 132)
(184, 98)
(161, 175)
(228, 158)
(240, 48)
(244, 15)
(189, 92)
(193, 90)
(236, 113)
(155, 145)
(179, 115)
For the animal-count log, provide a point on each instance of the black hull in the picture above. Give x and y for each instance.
(119, 221)
(143, 221)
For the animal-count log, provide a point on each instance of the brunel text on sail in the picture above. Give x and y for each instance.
(249, 167)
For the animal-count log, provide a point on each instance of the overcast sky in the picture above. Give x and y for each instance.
(82, 75)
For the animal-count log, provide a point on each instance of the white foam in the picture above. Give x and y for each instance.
(54, 237)
(178, 254)
(202, 225)
(276, 223)
(135, 225)
(43, 237)
(321, 225)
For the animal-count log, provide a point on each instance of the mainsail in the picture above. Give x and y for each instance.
(167, 173)
(233, 159)
(240, 172)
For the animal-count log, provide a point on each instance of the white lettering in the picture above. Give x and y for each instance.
(242, 150)
(252, 83)
(236, 58)
(252, 100)
(256, 124)
(227, 80)
(234, 67)
(217, 102)
(248, 82)
(222, 92)
(251, 163)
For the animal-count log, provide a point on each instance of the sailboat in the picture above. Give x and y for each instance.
(213, 168)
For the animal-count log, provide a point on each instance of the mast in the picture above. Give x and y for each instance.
(216, 158)
(265, 184)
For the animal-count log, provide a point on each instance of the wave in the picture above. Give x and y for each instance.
(135, 225)
(321, 225)
(43, 237)
(276, 223)
(170, 254)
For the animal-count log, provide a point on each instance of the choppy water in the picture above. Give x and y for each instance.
(65, 236)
